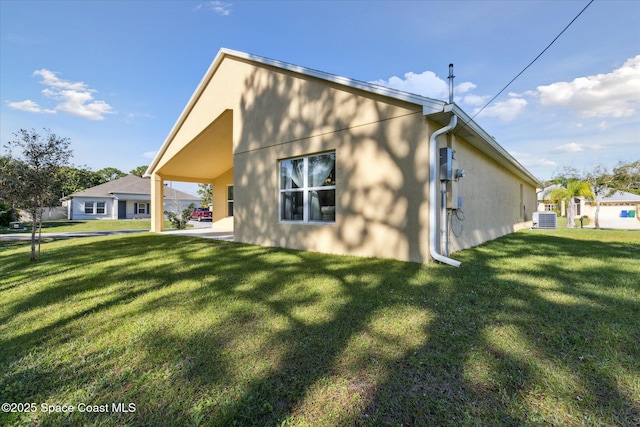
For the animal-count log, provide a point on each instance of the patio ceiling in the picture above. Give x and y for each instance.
(205, 157)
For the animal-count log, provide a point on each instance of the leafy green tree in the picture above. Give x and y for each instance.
(205, 191)
(7, 214)
(626, 177)
(109, 174)
(565, 175)
(74, 179)
(139, 171)
(600, 182)
(32, 180)
(574, 188)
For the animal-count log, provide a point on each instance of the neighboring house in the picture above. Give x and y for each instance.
(124, 198)
(617, 210)
(545, 204)
(304, 159)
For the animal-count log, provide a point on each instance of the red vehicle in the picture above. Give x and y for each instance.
(201, 214)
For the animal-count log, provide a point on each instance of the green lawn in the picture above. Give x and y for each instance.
(536, 328)
(64, 226)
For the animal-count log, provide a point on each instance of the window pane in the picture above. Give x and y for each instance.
(100, 208)
(322, 205)
(291, 174)
(322, 170)
(292, 208)
(88, 207)
(230, 193)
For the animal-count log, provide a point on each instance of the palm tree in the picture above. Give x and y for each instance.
(573, 189)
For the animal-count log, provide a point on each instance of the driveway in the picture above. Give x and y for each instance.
(200, 229)
(204, 230)
(67, 235)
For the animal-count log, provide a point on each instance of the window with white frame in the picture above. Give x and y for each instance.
(308, 188)
(140, 208)
(229, 200)
(91, 207)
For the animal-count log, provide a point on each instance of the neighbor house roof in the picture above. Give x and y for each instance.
(545, 193)
(130, 184)
(437, 110)
(620, 196)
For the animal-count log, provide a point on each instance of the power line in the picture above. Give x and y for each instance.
(531, 63)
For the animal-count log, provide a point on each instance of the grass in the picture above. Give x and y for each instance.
(64, 226)
(536, 328)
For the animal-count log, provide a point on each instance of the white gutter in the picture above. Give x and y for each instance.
(433, 205)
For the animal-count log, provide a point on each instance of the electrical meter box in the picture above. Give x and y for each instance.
(449, 173)
(446, 164)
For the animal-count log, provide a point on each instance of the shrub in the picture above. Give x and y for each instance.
(7, 214)
(180, 222)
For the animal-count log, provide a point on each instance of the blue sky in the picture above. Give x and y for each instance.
(114, 76)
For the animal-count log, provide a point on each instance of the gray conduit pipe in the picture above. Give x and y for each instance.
(433, 196)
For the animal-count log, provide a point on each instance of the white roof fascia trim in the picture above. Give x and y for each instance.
(429, 105)
(432, 104)
(187, 109)
(494, 144)
(466, 121)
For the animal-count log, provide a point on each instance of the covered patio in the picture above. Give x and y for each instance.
(199, 153)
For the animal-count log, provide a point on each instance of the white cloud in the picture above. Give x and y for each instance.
(149, 154)
(49, 78)
(72, 97)
(603, 95)
(574, 147)
(219, 7)
(29, 106)
(464, 87)
(426, 84)
(131, 117)
(530, 161)
(504, 110)
(430, 85)
(475, 100)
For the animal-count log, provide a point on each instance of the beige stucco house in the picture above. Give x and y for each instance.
(309, 160)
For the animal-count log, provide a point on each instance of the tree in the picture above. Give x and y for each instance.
(32, 181)
(139, 171)
(574, 188)
(600, 183)
(180, 221)
(205, 191)
(7, 214)
(109, 174)
(74, 179)
(626, 177)
(564, 175)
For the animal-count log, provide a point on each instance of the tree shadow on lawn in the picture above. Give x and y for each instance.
(493, 342)
(512, 347)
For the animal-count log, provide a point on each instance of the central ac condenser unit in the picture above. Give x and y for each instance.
(545, 220)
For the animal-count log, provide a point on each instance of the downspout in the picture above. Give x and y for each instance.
(433, 196)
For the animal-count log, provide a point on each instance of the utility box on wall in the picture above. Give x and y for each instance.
(454, 201)
(450, 173)
(446, 164)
